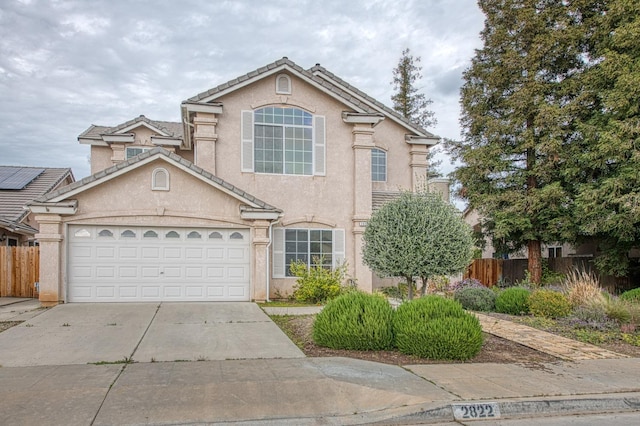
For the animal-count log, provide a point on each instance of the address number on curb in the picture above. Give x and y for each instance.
(486, 410)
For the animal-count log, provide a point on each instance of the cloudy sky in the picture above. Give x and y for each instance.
(65, 65)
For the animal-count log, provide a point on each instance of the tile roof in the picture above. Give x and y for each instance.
(326, 73)
(12, 201)
(327, 85)
(171, 128)
(150, 153)
(324, 78)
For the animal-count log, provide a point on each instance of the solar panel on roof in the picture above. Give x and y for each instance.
(17, 177)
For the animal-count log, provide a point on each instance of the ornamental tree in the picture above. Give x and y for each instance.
(417, 235)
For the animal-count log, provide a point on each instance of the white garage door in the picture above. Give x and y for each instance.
(120, 264)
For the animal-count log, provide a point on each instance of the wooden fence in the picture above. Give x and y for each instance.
(19, 271)
(490, 271)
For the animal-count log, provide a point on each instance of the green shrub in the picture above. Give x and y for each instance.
(317, 284)
(476, 299)
(355, 321)
(428, 308)
(617, 310)
(436, 328)
(513, 301)
(549, 304)
(631, 295)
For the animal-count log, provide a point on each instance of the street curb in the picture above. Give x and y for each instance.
(528, 407)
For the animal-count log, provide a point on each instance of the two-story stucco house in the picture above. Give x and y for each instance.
(277, 165)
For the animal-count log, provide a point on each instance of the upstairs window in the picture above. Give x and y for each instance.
(378, 165)
(136, 150)
(286, 141)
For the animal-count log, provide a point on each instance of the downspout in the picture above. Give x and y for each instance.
(269, 256)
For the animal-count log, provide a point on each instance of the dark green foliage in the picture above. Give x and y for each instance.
(549, 304)
(513, 301)
(631, 295)
(407, 100)
(427, 308)
(436, 328)
(476, 299)
(355, 321)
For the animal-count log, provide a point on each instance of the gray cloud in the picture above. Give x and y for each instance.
(67, 64)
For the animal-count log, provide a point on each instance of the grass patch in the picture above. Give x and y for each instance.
(285, 322)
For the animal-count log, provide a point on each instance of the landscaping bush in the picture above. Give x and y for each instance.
(355, 321)
(617, 310)
(436, 328)
(513, 301)
(631, 295)
(466, 283)
(549, 304)
(593, 316)
(582, 288)
(317, 284)
(476, 299)
(452, 338)
(427, 308)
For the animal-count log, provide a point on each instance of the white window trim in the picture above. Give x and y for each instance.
(126, 151)
(386, 169)
(154, 184)
(279, 250)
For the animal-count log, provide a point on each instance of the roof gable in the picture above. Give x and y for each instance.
(102, 135)
(323, 80)
(13, 201)
(147, 157)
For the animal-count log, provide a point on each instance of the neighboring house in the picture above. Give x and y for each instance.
(472, 217)
(277, 165)
(18, 187)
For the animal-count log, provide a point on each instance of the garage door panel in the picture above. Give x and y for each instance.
(115, 263)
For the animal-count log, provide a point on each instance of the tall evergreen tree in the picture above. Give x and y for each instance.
(412, 104)
(607, 166)
(517, 104)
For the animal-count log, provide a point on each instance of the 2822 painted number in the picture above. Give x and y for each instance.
(488, 410)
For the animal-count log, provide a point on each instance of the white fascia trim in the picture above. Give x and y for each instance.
(193, 107)
(141, 163)
(367, 102)
(362, 118)
(422, 140)
(119, 138)
(145, 124)
(161, 140)
(257, 214)
(63, 208)
(275, 71)
(91, 141)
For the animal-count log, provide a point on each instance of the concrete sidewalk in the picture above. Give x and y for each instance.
(307, 391)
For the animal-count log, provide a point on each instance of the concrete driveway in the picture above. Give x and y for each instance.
(145, 332)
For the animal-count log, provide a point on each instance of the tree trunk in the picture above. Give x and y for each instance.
(425, 282)
(409, 287)
(535, 261)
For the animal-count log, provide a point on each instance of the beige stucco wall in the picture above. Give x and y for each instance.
(308, 201)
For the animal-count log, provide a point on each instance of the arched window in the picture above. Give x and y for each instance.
(236, 236)
(172, 234)
(194, 235)
(150, 234)
(283, 84)
(82, 233)
(160, 179)
(105, 233)
(128, 234)
(215, 235)
(378, 165)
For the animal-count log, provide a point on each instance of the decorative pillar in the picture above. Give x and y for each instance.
(205, 138)
(260, 263)
(418, 165)
(362, 144)
(50, 238)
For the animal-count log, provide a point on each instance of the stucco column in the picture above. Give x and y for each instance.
(362, 144)
(205, 138)
(418, 167)
(51, 253)
(260, 269)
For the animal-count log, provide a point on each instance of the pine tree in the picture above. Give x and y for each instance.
(413, 105)
(607, 166)
(518, 119)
